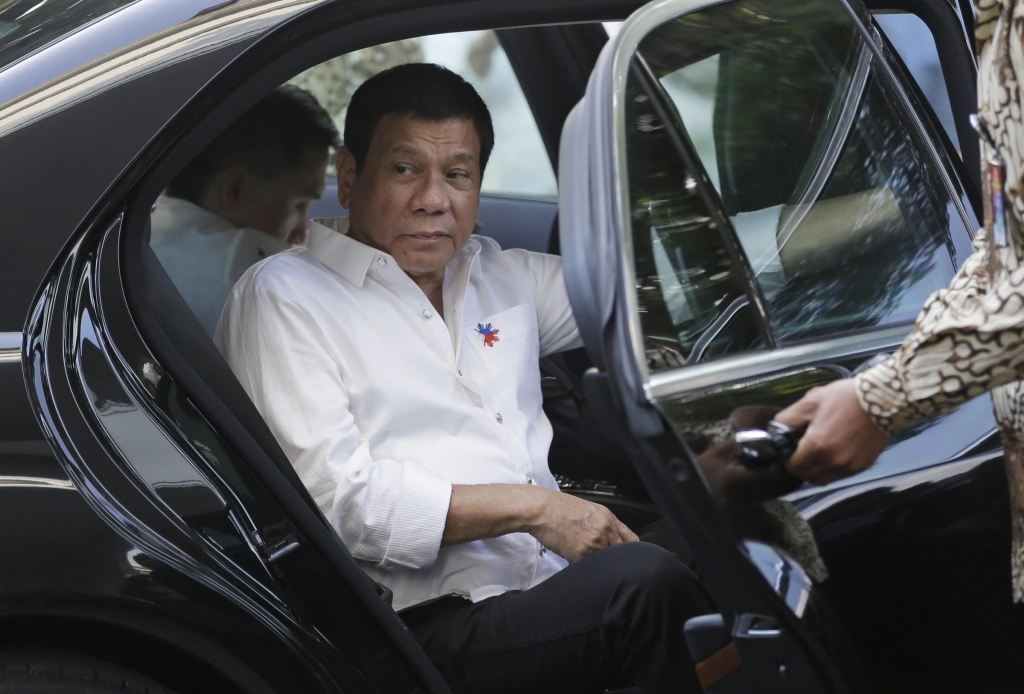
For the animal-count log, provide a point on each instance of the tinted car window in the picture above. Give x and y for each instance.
(841, 211)
(689, 294)
(915, 44)
(519, 164)
(26, 25)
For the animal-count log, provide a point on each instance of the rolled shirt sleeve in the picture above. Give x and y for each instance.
(390, 513)
(968, 339)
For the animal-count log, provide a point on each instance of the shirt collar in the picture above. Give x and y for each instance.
(185, 213)
(330, 244)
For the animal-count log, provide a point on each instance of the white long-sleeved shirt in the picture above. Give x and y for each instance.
(205, 254)
(382, 406)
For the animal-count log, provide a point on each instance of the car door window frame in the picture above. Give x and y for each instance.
(953, 38)
(670, 382)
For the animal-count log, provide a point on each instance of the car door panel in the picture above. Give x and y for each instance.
(647, 367)
(919, 566)
(90, 457)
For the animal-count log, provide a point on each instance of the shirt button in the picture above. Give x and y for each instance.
(497, 415)
(427, 313)
(529, 480)
(382, 261)
(460, 372)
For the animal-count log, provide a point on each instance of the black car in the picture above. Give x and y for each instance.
(155, 536)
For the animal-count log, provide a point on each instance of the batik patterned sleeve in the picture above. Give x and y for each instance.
(953, 353)
(967, 339)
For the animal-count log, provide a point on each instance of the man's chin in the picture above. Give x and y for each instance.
(425, 262)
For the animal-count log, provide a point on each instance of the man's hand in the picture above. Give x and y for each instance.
(841, 440)
(568, 526)
(571, 527)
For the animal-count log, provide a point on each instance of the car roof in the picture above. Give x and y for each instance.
(116, 30)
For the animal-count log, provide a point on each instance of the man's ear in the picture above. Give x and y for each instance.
(346, 167)
(230, 185)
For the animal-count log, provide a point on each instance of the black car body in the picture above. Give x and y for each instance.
(149, 519)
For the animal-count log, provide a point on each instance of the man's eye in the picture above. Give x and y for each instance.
(458, 174)
(401, 169)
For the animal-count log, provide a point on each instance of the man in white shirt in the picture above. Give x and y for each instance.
(243, 199)
(396, 362)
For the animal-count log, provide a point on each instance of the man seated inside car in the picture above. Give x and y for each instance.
(244, 198)
(396, 362)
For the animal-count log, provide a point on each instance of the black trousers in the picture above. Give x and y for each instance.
(612, 619)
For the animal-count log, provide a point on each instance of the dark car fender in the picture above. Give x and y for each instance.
(71, 583)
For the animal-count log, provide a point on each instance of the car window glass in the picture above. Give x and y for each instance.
(841, 212)
(913, 41)
(26, 25)
(519, 164)
(693, 304)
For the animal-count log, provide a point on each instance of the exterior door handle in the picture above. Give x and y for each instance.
(762, 448)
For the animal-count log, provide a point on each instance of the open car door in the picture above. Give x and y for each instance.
(753, 204)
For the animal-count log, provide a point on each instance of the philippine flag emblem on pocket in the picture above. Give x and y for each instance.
(490, 334)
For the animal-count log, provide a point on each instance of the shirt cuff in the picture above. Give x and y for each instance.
(419, 520)
(882, 396)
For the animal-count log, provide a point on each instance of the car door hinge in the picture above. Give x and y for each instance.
(277, 549)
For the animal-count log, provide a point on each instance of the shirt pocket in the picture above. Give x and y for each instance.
(507, 344)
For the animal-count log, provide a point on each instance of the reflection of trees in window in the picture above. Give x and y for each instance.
(866, 289)
(794, 89)
(333, 82)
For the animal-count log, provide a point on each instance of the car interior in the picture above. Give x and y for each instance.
(518, 209)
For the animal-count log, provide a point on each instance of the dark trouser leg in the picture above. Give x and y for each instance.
(611, 619)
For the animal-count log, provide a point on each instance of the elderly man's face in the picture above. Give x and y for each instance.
(418, 194)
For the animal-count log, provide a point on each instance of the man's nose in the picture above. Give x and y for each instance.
(432, 195)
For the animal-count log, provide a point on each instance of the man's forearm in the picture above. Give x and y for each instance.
(480, 511)
(569, 526)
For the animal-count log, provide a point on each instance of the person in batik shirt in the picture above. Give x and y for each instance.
(968, 338)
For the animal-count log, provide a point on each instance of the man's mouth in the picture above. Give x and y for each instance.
(429, 236)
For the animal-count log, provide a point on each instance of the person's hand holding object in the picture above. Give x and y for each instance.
(567, 525)
(840, 439)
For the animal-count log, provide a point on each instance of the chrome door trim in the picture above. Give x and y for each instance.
(745, 366)
(43, 482)
(10, 347)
